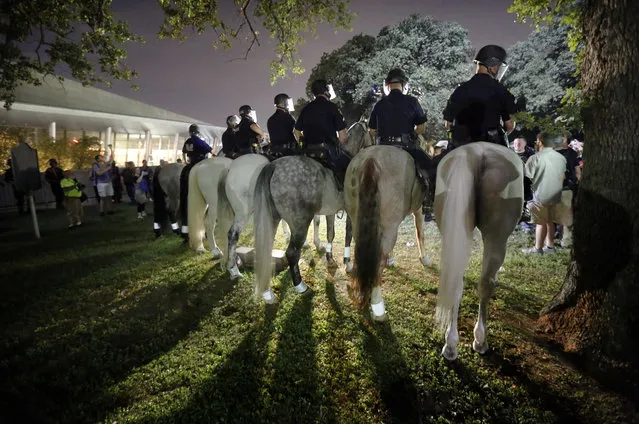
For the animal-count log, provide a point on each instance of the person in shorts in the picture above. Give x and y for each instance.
(102, 172)
(550, 203)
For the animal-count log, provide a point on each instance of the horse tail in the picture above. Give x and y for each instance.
(159, 199)
(196, 208)
(263, 227)
(368, 249)
(456, 224)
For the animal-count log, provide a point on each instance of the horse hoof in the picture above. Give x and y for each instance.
(269, 297)
(306, 245)
(480, 348)
(235, 273)
(349, 267)
(390, 261)
(380, 318)
(331, 263)
(200, 250)
(321, 248)
(425, 260)
(217, 253)
(449, 353)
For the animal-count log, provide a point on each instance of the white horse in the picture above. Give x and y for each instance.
(206, 187)
(381, 189)
(478, 185)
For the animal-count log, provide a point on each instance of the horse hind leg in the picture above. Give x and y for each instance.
(317, 241)
(233, 237)
(330, 236)
(347, 245)
(421, 236)
(293, 253)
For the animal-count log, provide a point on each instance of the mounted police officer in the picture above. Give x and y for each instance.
(397, 119)
(324, 129)
(229, 142)
(249, 134)
(280, 127)
(194, 151)
(476, 107)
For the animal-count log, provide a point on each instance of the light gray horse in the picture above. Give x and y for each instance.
(166, 196)
(294, 188)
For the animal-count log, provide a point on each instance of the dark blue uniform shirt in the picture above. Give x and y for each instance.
(320, 120)
(396, 114)
(229, 144)
(196, 148)
(245, 136)
(280, 128)
(478, 104)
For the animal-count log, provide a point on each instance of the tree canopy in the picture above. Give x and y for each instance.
(435, 55)
(36, 36)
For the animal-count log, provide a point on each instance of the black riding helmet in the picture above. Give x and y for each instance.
(491, 55)
(319, 86)
(281, 100)
(396, 75)
(194, 129)
(245, 110)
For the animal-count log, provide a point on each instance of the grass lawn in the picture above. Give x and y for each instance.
(106, 324)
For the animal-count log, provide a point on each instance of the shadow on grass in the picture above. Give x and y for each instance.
(233, 393)
(403, 402)
(63, 374)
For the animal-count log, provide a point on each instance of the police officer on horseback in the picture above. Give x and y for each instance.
(323, 127)
(229, 142)
(397, 119)
(194, 151)
(476, 107)
(249, 135)
(280, 127)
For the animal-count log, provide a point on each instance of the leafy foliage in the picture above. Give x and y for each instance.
(543, 73)
(36, 36)
(435, 55)
(554, 20)
(69, 154)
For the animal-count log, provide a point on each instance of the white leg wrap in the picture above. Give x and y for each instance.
(301, 287)
(185, 229)
(378, 309)
(156, 226)
(174, 226)
(268, 295)
(235, 273)
(347, 252)
(329, 248)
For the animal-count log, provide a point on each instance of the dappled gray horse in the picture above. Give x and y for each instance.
(294, 188)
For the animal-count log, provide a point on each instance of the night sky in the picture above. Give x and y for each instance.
(193, 79)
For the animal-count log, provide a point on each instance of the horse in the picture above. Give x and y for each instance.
(166, 196)
(479, 185)
(294, 189)
(381, 188)
(207, 198)
(223, 191)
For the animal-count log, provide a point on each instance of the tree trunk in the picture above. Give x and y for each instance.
(598, 307)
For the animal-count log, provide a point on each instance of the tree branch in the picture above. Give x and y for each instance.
(247, 21)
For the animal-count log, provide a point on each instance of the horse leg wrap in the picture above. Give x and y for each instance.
(347, 254)
(157, 229)
(378, 309)
(175, 227)
(301, 287)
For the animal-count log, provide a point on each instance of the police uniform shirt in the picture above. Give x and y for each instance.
(245, 136)
(195, 147)
(280, 128)
(478, 104)
(228, 141)
(320, 120)
(396, 114)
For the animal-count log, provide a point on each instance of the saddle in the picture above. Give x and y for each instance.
(322, 153)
